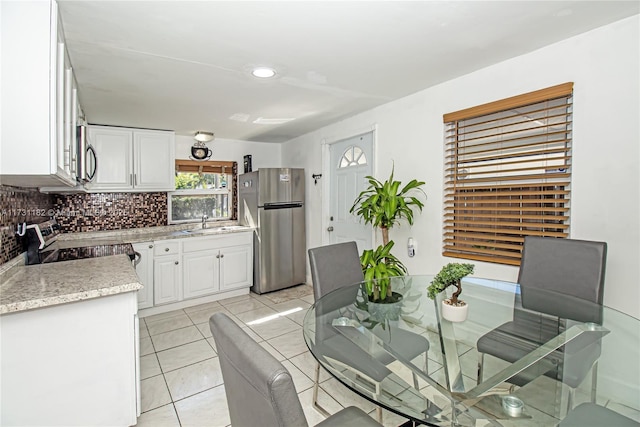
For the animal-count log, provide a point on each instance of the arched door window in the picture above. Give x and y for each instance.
(352, 156)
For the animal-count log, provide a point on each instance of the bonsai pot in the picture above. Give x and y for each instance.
(454, 313)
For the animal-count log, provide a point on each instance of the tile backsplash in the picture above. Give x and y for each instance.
(18, 205)
(75, 213)
(110, 211)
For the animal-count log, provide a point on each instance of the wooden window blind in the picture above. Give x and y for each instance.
(204, 167)
(507, 174)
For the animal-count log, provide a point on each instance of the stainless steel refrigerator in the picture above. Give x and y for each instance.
(272, 201)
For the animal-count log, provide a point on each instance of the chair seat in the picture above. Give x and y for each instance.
(513, 340)
(592, 415)
(406, 343)
(349, 417)
(341, 349)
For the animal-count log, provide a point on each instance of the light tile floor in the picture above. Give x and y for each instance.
(181, 381)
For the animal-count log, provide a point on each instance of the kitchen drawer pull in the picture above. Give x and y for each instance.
(166, 249)
(176, 262)
(221, 255)
(150, 246)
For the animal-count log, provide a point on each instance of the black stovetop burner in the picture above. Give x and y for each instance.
(42, 247)
(69, 254)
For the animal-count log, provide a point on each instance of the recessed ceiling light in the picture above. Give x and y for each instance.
(263, 72)
(266, 121)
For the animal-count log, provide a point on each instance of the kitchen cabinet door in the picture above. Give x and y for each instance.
(144, 269)
(154, 161)
(132, 159)
(201, 272)
(33, 91)
(236, 267)
(114, 148)
(167, 283)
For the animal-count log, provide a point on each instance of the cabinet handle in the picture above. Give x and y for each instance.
(218, 256)
(166, 249)
(131, 178)
(176, 262)
(135, 179)
(150, 246)
(221, 255)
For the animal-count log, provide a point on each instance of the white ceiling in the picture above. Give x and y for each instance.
(184, 65)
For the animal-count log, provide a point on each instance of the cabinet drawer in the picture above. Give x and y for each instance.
(166, 248)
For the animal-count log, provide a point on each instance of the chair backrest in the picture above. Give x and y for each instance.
(260, 390)
(334, 266)
(575, 268)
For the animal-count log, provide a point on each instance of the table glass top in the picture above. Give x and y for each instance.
(377, 350)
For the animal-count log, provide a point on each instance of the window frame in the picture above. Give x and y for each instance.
(507, 175)
(211, 166)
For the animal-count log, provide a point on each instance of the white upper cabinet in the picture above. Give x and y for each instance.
(132, 159)
(37, 144)
(154, 160)
(114, 151)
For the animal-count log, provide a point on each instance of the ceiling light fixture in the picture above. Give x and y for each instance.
(263, 72)
(204, 136)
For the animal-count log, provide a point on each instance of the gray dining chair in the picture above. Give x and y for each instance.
(574, 269)
(259, 389)
(337, 266)
(592, 415)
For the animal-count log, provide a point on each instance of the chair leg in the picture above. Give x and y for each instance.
(570, 399)
(480, 367)
(378, 408)
(316, 383)
(594, 382)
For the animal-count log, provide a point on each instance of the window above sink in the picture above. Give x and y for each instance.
(203, 188)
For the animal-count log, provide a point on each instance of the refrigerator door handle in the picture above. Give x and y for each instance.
(281, 205)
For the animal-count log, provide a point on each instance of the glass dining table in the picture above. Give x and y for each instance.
(353, 339)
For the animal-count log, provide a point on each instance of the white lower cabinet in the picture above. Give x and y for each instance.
(144, 269)
(236, 266)
(200, 273)
(214, 264)
(196, 267)
(166, 279)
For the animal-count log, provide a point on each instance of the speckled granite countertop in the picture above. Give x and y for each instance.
(136, 235)
(36, 286)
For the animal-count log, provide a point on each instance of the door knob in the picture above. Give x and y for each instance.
(330, 228)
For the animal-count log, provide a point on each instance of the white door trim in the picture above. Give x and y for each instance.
(326, 170)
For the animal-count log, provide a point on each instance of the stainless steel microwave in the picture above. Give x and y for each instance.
(87, 159)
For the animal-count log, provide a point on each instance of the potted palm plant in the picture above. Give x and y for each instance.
(385, 204)
(453, 309)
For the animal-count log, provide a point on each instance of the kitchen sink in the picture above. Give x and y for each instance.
(211, 230)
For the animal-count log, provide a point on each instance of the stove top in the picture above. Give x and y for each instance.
(42, 247)
(68, 254)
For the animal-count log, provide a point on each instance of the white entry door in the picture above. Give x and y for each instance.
(351, 162)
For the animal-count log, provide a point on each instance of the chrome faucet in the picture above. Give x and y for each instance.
(204, 221)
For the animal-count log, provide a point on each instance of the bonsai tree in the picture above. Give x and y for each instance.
(385, 204)
(450, 275)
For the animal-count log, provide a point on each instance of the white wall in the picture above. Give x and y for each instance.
(603, 64)
(264, 155)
